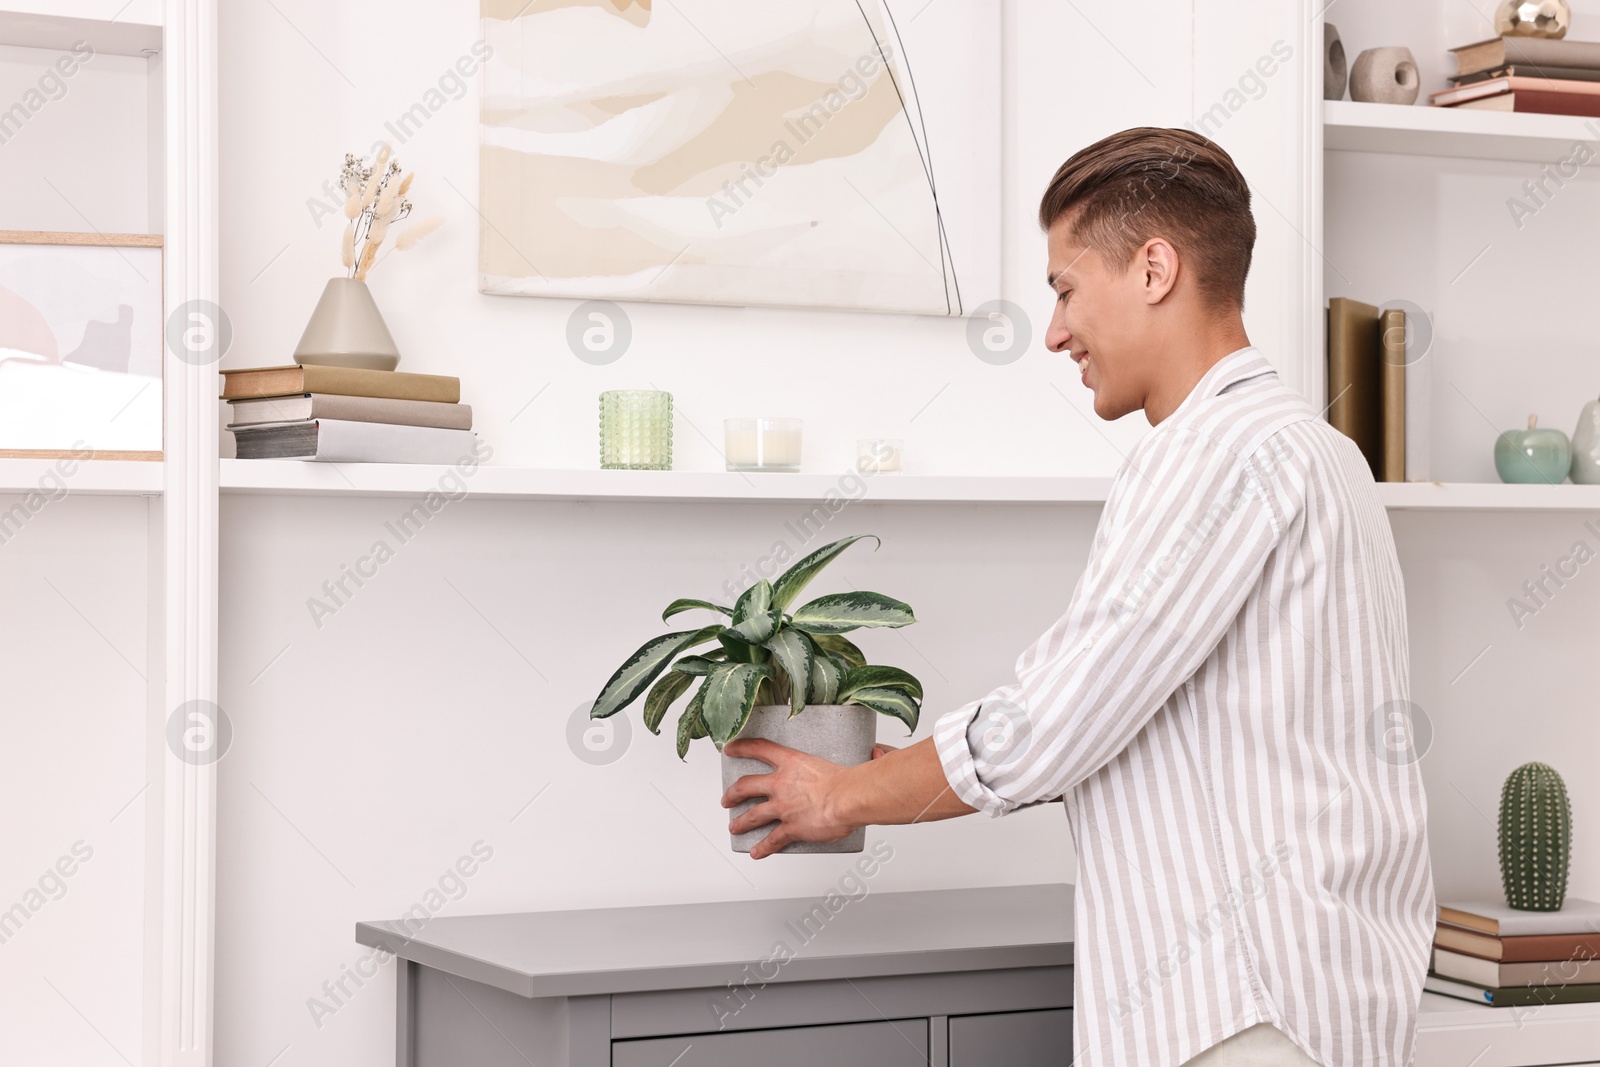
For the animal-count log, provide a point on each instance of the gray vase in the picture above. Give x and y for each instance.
(1586, 446)
(1335, 72)
(842, 734)
(346, 330)
(1385, 76)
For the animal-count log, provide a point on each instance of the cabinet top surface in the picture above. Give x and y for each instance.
(680, 946)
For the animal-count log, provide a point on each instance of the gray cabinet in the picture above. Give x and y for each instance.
(1013, 1038)
(902, 1043)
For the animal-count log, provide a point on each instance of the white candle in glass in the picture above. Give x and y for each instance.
(762, 444)
(878, 454)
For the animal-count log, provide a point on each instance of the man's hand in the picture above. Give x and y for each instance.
(814, 800)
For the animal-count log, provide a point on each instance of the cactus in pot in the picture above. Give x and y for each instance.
(1535, 838)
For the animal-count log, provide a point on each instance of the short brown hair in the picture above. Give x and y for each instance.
(1147, 181)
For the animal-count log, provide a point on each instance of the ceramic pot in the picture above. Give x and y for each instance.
(1533, 456)
(1385, 76)
(839, 733)
(346, 330)
(1586, 446)
(1533, 18)
(1335, 72)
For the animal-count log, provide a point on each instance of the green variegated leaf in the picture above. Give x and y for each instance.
(641, 668)
(668, 687)
(792, 651)
(839, 613)
(826, 674)
(679, 606)
(755, 618)
(841, 647)
(895, 702)
(690, 723)
(876, 676)
(740, 651)
(698, 666)
(730, 694)
(799, 575)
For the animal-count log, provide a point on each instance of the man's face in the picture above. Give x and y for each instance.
(1098, 319)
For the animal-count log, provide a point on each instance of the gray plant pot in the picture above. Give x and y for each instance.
(842, 734)
(346, 330)
(1385, 76)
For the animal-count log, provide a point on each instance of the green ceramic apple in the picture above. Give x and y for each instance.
(1533, 456)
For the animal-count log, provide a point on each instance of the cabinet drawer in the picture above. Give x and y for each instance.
(903, 1043)
(1012, 1039)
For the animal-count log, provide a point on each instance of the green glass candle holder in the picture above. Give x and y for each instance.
(636, 430)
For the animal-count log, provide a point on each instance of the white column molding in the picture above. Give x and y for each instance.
(186, 940)
(1312, 323)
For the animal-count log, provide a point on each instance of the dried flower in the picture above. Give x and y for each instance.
(376, 199)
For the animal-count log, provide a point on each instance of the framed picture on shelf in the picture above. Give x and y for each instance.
(80, 345)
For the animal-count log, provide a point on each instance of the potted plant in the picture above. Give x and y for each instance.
(772, 662)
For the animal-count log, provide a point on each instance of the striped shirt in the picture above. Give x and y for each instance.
(1223, 711)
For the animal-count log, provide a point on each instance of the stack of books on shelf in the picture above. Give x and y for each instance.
(1493, 954)
(1379, 388)
(1532, 74)
(347, 415)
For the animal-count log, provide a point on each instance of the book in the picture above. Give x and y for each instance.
(298, 379)
(1534, 95)
(1528, 70)
(1354, 363)
(1419, 399)
(348, 409)
(1534, 947)
(1537, 51)
(336, 441)
(1514, 996)
(1494, 974)
(1577, 916)
(1392, 393)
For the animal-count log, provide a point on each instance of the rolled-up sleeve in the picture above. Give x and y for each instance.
(1185, 542)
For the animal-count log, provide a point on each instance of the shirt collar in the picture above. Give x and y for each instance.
(1237, 366)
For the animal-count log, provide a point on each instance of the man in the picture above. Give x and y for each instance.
(1216, 708)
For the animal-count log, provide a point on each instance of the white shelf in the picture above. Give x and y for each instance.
(1455, 1031)
(57, 32)
(95, 477)
(1417, 130)
(300, 478)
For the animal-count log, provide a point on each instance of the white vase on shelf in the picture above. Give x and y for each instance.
(346, 330)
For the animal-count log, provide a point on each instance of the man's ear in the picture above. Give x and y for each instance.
(1159, 261)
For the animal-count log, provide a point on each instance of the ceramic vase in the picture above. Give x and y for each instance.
(839, 733)
(1335, 71)
(1586, 446)
(1385, 76)
(346, 330)
(1533, 18)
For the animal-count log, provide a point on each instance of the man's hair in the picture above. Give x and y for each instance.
(1148, 182)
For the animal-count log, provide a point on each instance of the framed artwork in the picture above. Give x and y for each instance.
(815, 153)
(80, 345)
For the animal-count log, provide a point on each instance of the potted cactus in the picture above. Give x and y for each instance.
(1535, 838)
(779, 671)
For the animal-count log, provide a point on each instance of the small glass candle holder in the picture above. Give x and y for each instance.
(636, 430)
(762, 444)
(878, 454)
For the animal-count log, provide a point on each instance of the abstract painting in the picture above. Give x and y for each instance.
(814, 153)
(80, 344)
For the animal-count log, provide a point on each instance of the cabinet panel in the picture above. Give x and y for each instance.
(1012, 1039)
(903, 1043)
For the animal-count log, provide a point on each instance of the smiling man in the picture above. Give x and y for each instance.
(1222, 706)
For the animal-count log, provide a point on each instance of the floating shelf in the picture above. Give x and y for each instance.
(59, 32)
(296, 477)
(1416, 130)
(95, 477)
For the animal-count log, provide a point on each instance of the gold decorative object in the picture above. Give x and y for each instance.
(1533, 18)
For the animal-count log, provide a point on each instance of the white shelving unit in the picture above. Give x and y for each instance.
(96, 477)
(1441, 131)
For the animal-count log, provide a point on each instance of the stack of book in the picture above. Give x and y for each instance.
(1379, 388)
(1494, 954)
(346, 415)
(1534, 74)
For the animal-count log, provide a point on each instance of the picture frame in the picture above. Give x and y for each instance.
(81, 345)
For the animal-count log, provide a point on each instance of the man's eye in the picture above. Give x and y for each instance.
(1062, 296)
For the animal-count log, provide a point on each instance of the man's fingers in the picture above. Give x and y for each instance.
(757, 817)
(880, 751)
(758, 748)
(751, 785)
(771, 843)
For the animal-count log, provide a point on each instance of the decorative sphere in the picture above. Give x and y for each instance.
(1533, 18)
